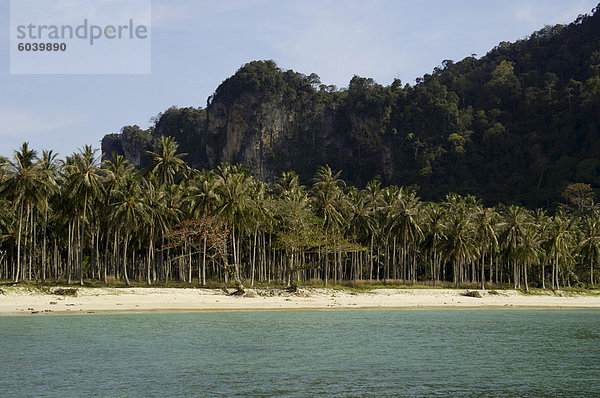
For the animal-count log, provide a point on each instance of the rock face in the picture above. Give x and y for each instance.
(271, 121)
(132, 143)
(516, 125)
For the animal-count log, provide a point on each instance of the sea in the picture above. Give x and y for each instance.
(354, 353)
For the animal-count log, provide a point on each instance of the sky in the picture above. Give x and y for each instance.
(196, 44)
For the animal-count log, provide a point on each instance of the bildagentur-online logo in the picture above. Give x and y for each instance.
(84, 31)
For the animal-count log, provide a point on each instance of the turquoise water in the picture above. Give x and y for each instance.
(327, 353)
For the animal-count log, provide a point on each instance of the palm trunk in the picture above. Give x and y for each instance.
(19, 243)
(543, 276)
(371, 257)
(483, 270)
(125, 259)
(150, 246)
(591, 271)
(204, 262)
(44, 243)
(253, 257)
(69, 251)
(525, 274)
(82, 236)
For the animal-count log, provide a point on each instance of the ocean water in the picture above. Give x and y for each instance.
(303, 353)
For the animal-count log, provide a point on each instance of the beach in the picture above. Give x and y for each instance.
(28, 301)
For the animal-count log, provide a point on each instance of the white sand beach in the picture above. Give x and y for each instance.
(26, 301)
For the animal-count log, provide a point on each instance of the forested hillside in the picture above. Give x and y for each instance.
(516, 125)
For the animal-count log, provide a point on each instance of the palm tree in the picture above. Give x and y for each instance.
(84, 184)
(514, 223)
(487, 237)
(374, 199)
(4, 169)
(403, 214)
(233, 192)
(24, 187)
(327, 196)
(129, 213)
(557, 244)
(358, 223)
(49, 169)
(7, 219)
(156, 216)
(117, 171)
(434, 236)
(459, 246)
(590, 241)
(166, 162)
(287, 184)
(542, 223)
(328, 200)
(528, 251)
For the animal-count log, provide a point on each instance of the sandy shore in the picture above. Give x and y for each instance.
(18, 300)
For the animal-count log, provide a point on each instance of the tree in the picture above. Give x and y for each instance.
(129, 212)
(328, 200)
(458, 246)
(298, 230)
(579, 196)
(202, 201)
(166, 162)
(590, 241)
(24, 187)
(514, 223)
(528, 252)
(486, 236)
(84, 184)
(557, 245)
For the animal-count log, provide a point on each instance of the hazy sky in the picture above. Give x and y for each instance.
(196, 44)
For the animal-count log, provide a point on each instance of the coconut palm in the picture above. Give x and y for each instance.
(328, 200)
(542, 223)
(513, 224)
(557, 245)
(233, 191)
(129, 213)
(484, 222)
(24, 187)
(156, 217)
(84, 186)
(327, 196)
(4, 168)
(528, 251)
(374, 199)
(358, 222)
(433, 237)
(458, 246)
(49, 169)
(590, 241)
(403, 215)
(166, 162)
(202, 201)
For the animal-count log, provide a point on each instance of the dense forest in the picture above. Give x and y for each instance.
(77, 220)
(483, 173)
(516, 125)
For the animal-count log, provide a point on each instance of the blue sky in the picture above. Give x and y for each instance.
(196, 44)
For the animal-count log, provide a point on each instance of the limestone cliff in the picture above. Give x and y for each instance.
(271, 121)
(516, 125)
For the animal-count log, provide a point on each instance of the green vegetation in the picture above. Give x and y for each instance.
(169, 224)
(516, 125)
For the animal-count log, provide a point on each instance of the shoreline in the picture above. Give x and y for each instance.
(22, 301)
